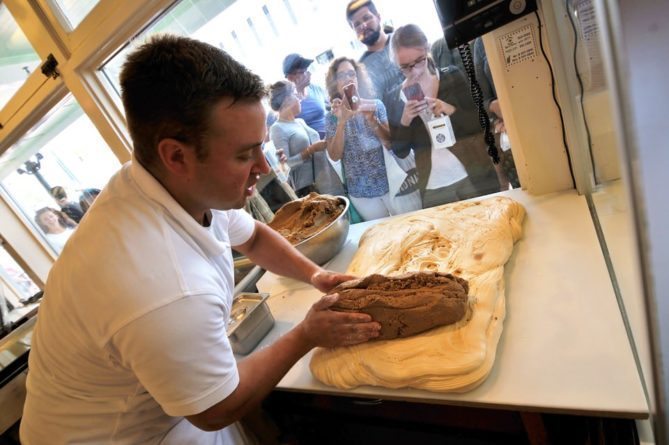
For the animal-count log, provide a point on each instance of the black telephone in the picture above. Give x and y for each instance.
(465, 20)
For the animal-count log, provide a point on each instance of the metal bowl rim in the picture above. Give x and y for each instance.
(341, 215)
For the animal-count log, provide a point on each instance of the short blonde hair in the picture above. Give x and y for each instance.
(411, 36)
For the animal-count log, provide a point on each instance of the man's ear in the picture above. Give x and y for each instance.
(174, 156)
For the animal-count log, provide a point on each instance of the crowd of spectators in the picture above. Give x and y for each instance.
(364, 137)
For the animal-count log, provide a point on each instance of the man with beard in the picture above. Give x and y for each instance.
(365, 20)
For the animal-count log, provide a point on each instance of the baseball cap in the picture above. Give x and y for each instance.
(294, 62)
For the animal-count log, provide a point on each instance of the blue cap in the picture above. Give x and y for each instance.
(294, 62)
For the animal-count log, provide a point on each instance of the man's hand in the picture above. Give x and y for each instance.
(495, 108)
(499, 126)
(326, 328)
(324, 280)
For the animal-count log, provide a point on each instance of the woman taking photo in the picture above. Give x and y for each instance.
(357, 130)
(463, 170)
(310, 169)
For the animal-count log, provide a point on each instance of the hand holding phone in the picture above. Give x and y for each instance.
(413, 92)
(351, 93)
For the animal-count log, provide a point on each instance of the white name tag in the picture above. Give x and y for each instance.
(441, 132)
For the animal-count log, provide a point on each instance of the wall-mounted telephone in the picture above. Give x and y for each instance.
(465, 20)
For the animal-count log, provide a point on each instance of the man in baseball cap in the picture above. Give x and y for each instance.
(295, 62)
(313, 98)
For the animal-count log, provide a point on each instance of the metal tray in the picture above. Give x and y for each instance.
(250, 321)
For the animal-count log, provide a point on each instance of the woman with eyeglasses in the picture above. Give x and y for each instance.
(445, 175)
(356, 131)
(310, 169)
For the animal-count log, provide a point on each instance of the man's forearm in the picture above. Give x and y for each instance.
(259, 373)
(271, 251)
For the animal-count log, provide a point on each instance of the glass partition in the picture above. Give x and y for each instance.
(17, 292)
(73, 11)
(17, 57)
(49, 174)
(416, 172)
(610, 200)
(595, 97)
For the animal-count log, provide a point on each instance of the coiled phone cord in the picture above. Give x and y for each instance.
(477, 95)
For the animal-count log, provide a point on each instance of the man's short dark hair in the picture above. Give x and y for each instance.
(169, 87)
(58, 192)
(355, 5)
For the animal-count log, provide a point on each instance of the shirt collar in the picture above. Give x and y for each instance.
(155, 192)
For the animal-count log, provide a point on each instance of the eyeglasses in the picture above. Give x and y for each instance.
(346, 75)
(406, 68)
(366, 20)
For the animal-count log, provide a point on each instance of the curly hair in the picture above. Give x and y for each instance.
(63, 219)
(169, 87)
(365, 88)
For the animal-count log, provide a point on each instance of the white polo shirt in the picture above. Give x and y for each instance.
(131, 334)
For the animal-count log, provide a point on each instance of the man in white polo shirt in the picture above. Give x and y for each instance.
(130, 345)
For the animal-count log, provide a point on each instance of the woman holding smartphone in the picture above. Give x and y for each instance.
(356, 130)
(445, 175)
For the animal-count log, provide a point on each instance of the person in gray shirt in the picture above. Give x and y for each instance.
(310, 169)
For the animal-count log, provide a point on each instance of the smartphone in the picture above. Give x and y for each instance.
(351, 93)
(413, 92)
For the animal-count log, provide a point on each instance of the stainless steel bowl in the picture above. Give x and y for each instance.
(325, 244)
(322, 246)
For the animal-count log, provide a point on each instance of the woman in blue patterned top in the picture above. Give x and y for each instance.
(357, 138)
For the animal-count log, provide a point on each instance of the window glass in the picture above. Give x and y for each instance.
(595, 100)
(73, 11)
(17, 57)
(413, 172)
(16, 290)
(260, 33)
(51, 168)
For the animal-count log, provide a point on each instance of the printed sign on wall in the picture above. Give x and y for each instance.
(518, 46)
